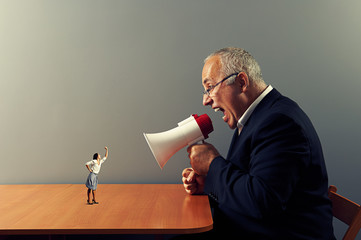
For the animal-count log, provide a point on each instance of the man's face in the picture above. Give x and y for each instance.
(223, 97)
(98, 157)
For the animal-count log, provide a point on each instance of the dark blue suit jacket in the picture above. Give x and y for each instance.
(273, 183)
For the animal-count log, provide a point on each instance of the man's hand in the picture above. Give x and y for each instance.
(192, 182)
(201, 156)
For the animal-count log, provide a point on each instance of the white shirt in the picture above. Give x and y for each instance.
(242, 121)
(94, 166)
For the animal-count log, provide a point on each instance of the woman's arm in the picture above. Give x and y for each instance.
(87, 166)
(106, 152)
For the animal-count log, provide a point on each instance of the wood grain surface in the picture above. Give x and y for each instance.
(122, 209)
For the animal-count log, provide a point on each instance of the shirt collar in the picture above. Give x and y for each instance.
(242, 121)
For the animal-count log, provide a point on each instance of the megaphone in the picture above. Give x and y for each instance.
(189, 131)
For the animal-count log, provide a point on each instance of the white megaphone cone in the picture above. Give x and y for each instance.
(191, 130)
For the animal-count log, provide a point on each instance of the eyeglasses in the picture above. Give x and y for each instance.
(208, 90)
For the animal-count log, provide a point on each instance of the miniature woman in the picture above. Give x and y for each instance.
(94, 167)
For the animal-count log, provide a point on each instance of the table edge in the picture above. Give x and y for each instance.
(103, 231)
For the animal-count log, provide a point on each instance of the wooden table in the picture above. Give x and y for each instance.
(122, 209)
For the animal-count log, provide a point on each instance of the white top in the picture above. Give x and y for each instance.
(251, 108)
(94, 166)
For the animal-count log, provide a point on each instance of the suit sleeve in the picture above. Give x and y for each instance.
(279, 154)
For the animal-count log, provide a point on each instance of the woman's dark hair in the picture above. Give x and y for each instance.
(95, 156)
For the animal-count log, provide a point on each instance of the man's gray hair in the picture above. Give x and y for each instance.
(236, 60)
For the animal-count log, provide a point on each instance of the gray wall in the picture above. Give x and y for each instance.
(78, 75)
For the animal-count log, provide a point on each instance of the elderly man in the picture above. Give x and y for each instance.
(273, 182)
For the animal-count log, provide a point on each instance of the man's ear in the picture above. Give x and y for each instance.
(242, 81)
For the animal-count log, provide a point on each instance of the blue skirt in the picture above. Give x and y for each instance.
(92, 181)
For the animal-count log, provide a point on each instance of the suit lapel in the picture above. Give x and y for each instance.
(266, 103)
(233, 142)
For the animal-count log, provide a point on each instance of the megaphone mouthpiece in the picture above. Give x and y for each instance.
(204, 123)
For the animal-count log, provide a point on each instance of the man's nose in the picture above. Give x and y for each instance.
(206, 99)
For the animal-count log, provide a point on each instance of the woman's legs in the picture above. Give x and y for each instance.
(94, 194)
(89, 190)
(94, 200)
